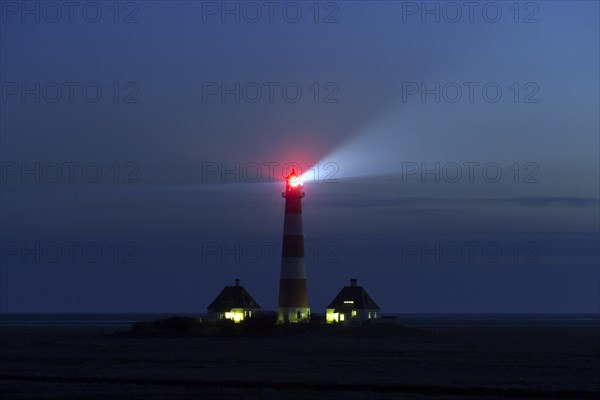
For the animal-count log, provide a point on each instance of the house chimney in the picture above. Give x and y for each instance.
(353, 282)
(237, 281)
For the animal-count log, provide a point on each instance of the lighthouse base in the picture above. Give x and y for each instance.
(293, 315)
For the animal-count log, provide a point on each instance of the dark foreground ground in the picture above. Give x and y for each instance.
(375, 363)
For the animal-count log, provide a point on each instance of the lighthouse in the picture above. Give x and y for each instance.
(293, 298)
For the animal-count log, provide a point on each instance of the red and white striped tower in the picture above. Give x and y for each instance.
(293, 298)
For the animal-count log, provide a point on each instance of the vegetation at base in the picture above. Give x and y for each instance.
(177, 326)
(262, 325)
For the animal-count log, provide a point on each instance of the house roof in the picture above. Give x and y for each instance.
(233, 297)
(353, 298)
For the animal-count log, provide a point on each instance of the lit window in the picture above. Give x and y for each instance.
(341, 317)
(236, 316)
(348, 301)
(332, 316)
(354, 313)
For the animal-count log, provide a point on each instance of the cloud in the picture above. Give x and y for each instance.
(367, 200)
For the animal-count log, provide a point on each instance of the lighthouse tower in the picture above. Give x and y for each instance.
(293, 299)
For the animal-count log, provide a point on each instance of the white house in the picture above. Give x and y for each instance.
(233, 303)
(352, 304)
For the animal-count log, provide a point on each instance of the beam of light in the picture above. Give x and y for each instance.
(407, 133)
(374, 150)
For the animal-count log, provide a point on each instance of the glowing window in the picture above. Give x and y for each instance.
(236, 316)
(332, 317)
(348, 301)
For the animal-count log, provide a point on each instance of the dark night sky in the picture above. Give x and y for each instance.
(366, 224)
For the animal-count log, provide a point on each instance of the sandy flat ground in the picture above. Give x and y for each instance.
(450, 362)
